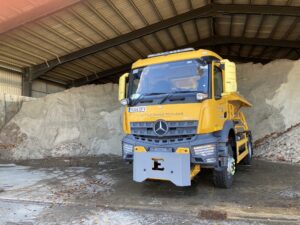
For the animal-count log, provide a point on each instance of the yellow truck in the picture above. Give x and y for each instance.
(182, 114)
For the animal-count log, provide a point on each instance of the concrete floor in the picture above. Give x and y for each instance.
(101, 191)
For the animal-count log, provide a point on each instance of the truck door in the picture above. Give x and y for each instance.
(219, 101)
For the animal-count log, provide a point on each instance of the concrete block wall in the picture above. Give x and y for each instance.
(42, 88)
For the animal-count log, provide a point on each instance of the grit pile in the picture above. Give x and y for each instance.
(10, 106)
(273, 89)
(81, 121)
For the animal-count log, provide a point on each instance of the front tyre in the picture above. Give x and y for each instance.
(224, 177)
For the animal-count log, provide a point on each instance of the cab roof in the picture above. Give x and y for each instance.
(174, 57)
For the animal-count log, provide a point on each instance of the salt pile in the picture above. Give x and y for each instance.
(81, 121)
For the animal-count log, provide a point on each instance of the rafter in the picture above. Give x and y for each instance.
(100, 75)
(257, 33)
(247, 41)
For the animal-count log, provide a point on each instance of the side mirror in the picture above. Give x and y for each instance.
(230, 84)
(122, 86)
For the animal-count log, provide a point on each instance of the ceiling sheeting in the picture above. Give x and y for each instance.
(77, 42)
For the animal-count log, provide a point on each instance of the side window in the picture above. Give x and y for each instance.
(218, 81)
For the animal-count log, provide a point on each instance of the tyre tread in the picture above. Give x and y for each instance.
(220, 178)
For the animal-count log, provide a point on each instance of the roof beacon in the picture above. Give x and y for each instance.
(171, 52)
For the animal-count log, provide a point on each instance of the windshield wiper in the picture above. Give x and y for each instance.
(165, 98)
(178, 92)
(135, 101)
(154, 93)
(171, 94)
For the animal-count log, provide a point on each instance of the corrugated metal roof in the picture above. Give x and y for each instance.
(90, 22)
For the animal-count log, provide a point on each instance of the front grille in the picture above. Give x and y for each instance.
(164, 140)
(178, 131)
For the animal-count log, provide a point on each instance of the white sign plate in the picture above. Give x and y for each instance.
(137, 109)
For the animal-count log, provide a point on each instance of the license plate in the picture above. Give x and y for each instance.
(137, 109)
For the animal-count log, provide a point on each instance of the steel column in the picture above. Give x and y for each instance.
(27, 83)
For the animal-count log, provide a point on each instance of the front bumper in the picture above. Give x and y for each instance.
(212, 161)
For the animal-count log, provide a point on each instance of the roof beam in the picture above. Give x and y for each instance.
(93, 77)
(245, 59)
(62, 83)
(211, 10)
(10, 68)
(201, 44)
(222, 40)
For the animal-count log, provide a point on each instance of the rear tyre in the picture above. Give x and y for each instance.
(224, 177)
(247, 160)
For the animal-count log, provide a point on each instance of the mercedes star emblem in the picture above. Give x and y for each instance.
(160, 128)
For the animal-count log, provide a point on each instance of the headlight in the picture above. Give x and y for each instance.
(205, 150)
(127, 148)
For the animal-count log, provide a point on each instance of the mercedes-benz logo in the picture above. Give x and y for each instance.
(160, 128)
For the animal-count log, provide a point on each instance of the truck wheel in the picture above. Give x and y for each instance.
(248, 158)
(224, 178)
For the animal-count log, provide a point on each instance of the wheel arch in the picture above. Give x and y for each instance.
(228, 135)
(227, 128)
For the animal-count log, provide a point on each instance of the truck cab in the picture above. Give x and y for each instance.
(182, 113)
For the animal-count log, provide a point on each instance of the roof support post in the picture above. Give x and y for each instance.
(27, 82)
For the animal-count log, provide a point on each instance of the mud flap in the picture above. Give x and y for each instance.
(162, 166)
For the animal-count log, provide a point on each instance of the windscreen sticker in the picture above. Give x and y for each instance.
(137, 109)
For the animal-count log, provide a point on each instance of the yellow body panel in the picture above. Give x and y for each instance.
(229, 76)
(208, 113)
(139, 149)
(196, 169)
(183, 151)
(239, 144)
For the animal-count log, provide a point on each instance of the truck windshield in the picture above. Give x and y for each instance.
(172, 77)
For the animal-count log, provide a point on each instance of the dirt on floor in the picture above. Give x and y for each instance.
(101, 191)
